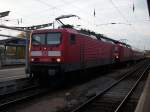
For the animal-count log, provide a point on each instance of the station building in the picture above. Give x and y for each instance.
(12, 51)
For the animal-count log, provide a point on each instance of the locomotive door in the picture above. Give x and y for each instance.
(82, 63)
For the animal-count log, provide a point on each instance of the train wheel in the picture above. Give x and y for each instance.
(57, 80)
(31, 76)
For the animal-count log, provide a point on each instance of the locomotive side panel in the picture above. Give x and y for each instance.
(73, 46)
(98, 53)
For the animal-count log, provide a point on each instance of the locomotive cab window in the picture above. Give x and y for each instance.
(53, 38)
(38, 39)
(72, 39)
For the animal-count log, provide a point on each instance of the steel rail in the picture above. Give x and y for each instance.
(20, 90)
(41, 91)
(29, 94)
(131, 90)
(106, 89)
(17, 85)
(13, 96)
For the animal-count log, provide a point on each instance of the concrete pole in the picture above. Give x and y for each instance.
(27, 65)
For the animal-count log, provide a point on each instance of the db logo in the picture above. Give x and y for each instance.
(44, 53)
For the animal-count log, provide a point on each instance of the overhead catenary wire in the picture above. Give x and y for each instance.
(58, 8)
(85, 20)
(33, 13)
(115, 8)
(52, 7)
(70, 3)
(122, 15)
(118, 10)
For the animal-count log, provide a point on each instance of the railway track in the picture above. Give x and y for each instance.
(120, 90)
(28, 91)
(15, 91)
(20, 96)
(12, 86)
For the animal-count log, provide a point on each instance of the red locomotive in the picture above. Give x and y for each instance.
(62, 50)
(124, 52)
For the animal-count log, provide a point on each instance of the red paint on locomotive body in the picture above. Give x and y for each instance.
(69, 50)
(124, 52)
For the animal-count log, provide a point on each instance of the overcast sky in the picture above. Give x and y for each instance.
(133, 28)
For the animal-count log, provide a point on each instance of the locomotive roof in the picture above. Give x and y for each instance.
(56, 30)
(71, 30)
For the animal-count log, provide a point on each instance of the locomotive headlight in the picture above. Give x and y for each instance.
(32, 59)
(117, 57)
(58, 60)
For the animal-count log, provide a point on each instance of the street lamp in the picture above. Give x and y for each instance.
(4, 14)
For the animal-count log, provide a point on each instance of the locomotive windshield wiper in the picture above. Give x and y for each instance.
(34, 41)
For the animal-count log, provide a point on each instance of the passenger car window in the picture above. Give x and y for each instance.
(72, 39)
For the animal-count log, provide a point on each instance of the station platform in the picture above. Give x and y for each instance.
(144, 101)
(7, 74)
